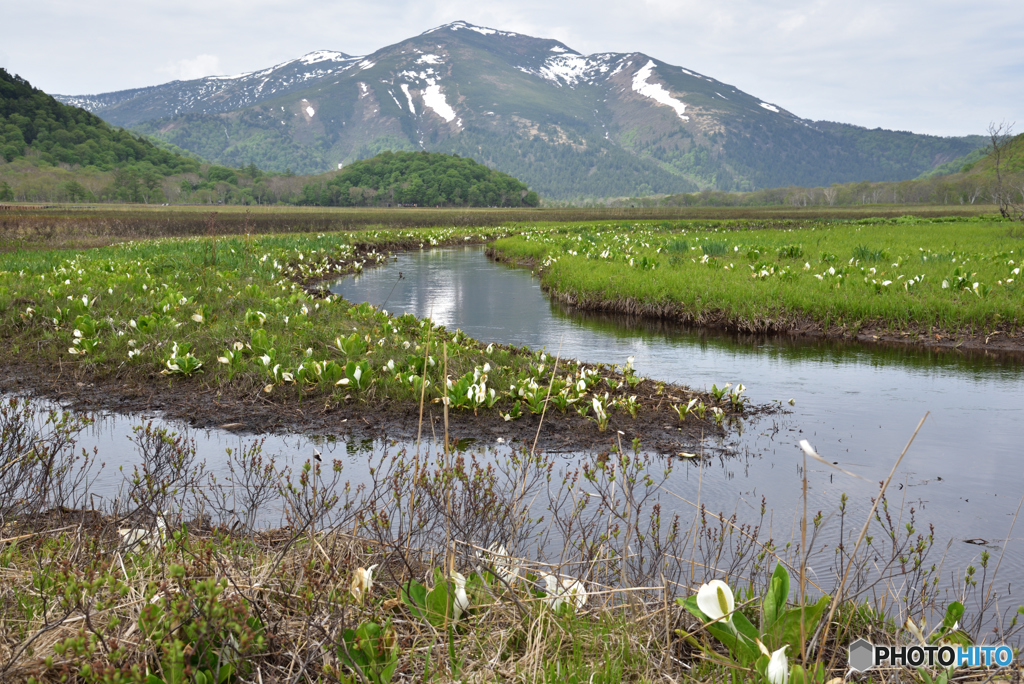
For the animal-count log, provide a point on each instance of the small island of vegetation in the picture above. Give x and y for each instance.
(424, 179)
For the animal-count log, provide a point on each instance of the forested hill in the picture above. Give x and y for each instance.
(33, 123)
(421, 179)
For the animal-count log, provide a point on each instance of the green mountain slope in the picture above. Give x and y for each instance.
(33, 122)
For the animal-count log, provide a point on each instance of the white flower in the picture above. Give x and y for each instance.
(461, 603)
(778, 667)
(197, 317)
(362, 582)
(131, 536)
(504, 565)
(716, 601)
(564, 589)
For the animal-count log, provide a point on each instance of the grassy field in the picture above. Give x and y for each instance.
(942, 276)
(243, 317)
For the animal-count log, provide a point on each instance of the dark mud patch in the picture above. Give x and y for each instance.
(203, 407)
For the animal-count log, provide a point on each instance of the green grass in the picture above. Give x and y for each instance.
(242, 316)
(901, 274)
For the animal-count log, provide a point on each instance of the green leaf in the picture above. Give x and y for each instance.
(225, 673)
(439, 605)
(774, 604)
(737, 640)
(791, 623)
(954, 612)
(414, 595)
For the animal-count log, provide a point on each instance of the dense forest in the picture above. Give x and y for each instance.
(35, 126)
(425, 179)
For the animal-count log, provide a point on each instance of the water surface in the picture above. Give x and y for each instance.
(858, 405)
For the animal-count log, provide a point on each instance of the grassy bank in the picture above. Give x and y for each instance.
(926, 276)
(242, 318)
(437, 569)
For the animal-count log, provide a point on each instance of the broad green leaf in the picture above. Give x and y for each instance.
(740, 644)
(774, 604)
(791, 623)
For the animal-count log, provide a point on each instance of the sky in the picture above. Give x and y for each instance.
(944, 67)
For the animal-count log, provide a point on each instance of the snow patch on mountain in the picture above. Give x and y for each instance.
(569, 68)
(429, 59)
(770, 108)
(323, 56)
(408, 96)
(558, 48)
(366, 64)
(656, 91)
(434, 99)
(456, 25)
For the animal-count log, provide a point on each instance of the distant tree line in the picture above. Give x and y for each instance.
(426, 179)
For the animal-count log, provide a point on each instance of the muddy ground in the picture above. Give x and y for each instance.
(254, 412)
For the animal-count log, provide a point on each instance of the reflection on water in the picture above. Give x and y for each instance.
(857, 405)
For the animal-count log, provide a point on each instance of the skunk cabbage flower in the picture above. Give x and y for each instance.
(778, 667)
(716, 601)
(504, 565)
(131, 536)
(461, 603)
(362, 582)
(564, 590)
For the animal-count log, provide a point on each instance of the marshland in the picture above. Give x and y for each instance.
(357, 452)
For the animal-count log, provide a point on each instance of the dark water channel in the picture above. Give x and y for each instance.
(857, 405)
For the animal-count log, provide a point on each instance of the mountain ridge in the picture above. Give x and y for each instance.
(567, 124)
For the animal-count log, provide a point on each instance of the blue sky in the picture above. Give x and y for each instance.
(942, 67)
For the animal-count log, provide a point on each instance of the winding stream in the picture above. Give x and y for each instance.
(857, 405)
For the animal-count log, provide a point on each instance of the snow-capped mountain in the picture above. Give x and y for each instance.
(212, 94)
(568, 124)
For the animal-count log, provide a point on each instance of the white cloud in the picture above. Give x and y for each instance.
(188, 69)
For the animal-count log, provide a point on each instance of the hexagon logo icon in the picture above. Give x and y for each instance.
(860, 655)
